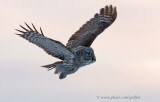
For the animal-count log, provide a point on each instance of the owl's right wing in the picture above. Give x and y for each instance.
(95, 26)
(52, 47)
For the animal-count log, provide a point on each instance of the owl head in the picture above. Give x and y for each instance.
(85, 54)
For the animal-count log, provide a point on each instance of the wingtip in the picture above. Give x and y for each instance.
(114, 12)
(19, 31)
(41, 31)
(43, 66)
(106, 9)
(28, 26)
(23, 28)
(110, 9)
(19, 34)
(96, 15)
(102, 11)
(34, 27)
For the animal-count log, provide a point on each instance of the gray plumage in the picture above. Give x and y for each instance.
(77, 52)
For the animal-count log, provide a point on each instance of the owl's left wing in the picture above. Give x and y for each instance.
(52, 47)
(89, 31)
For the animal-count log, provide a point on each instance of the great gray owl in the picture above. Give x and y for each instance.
(77, 52)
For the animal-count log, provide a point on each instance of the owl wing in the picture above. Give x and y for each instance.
(89, 31)
(52, 47)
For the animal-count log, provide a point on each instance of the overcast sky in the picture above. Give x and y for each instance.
(127, 53)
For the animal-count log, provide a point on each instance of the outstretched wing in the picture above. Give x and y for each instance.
(89, 31)
(52, 47)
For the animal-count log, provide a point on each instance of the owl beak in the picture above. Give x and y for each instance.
(94, 59)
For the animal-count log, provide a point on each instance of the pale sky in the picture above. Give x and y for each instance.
(127, 53)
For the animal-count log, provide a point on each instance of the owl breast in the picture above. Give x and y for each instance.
(82, 56)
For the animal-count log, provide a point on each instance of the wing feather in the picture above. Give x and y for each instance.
(89, 31)
(52, 47)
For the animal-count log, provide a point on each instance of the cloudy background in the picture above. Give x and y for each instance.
(128, 52)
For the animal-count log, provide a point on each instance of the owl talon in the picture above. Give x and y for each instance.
(62, 76)
(77, 52)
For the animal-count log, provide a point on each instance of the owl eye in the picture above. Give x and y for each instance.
(87, 54)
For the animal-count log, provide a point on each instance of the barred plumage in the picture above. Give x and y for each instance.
(89, 31)
(52, 47)
(77, 52)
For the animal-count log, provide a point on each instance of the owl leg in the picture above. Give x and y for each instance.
(62, 75)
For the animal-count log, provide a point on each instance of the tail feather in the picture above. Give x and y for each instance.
(57, 65)
(50, 66)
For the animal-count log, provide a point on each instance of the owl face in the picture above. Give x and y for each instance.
(84, 55)
(88, 54)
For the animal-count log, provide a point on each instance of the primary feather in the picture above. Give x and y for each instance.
(52, 47)
(77, 53)
(89, 31)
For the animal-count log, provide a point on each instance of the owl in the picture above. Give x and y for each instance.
(77, 52)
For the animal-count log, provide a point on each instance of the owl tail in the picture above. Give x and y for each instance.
(58, 65)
